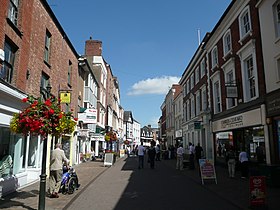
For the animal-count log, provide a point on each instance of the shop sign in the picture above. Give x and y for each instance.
(207, 169)
(89, 116)
(65, 97)
(232, 122)
(178, 133)
(273, 106)
(231, 91)
(257, 190)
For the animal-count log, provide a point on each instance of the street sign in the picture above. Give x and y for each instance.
(109, 159)
(197, 125)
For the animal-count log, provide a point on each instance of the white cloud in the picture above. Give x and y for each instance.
(158, 85)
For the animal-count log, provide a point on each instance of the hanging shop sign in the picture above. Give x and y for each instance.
(89, 116)
(65, 97)
(231, 91)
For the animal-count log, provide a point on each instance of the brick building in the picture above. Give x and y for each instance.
(35, 53)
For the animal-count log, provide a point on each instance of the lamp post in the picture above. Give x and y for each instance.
(42, 193)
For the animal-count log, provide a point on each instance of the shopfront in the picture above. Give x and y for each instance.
(244, 131)
(20, 156)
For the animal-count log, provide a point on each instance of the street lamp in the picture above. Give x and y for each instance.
(42, 193)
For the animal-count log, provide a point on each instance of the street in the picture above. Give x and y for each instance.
(124, 186)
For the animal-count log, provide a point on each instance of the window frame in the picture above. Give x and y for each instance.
(243, 31)
(227, 43)
(47, 50)
(214, 57)
(13, 11)
(276, 17)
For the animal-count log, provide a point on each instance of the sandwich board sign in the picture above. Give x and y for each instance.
(207, 170)
(108, 159)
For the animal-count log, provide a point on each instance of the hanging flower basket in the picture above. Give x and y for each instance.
(42, 118)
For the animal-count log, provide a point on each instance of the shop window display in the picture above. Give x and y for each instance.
(6, 162)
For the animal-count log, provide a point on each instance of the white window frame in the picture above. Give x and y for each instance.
(217, 99)
(198, 102)
(13, 11)
(246, 52)
(245, 29)
(197, 77)
(202, 68)
(204, 99)
(192, 81)
(214, 57)
(192, 104)
(227, 43)
(276, 17)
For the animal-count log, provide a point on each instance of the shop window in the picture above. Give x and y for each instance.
(6, 161)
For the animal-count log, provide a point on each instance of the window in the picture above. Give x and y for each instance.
(197, 103)
(188, 86)
(231, 102)
(69, 74)
(6, 71)
(44, 84)
(276, 13)
(227, 43)
(188, 110)
(278, 68)
(244, 23)
(13, 11)
(192, 107)
(214, 54)
(197, 75)
(47, 47)
(204, 100)
(217, 97)
(202, 68)
(249, 67)
(192, 80)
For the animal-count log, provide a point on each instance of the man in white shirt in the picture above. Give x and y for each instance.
(191, 152)
(180, 154)
(141, 153)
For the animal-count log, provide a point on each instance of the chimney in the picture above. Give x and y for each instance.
(93, 47)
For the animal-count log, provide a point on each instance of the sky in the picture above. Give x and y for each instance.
(148, 43)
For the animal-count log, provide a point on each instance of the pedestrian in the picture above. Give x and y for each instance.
(198, 152)
(158, 152)
(191, 153)
(128, 151)
(243, 158)
(92, 154)
(58, 158)
(141, 153)
(230, 157)
(152, 154)
(180, 157)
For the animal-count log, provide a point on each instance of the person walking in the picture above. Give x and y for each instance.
(191, 158)
(198, 152)
(56, 164)
(180, 157)
(152, 154)
(141, 153)
(243, 158)
(231, 162)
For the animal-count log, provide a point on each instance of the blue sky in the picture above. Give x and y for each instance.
(148, 43)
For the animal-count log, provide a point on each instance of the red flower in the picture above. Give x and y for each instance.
(76, 119)
(51, 111)
(24, 100)
(48, 102)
